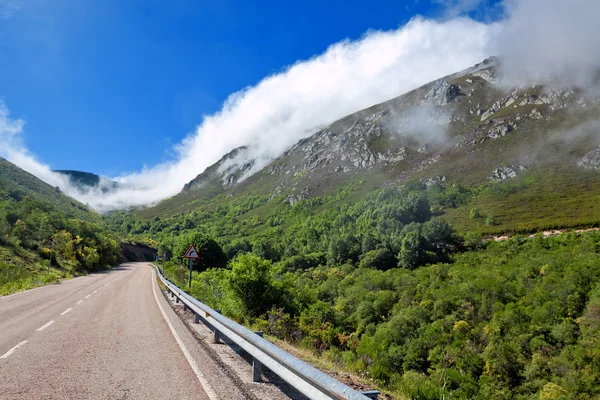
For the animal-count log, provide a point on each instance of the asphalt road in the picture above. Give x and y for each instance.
(104, 336)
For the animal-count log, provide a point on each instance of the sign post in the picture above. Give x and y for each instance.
(191, 254)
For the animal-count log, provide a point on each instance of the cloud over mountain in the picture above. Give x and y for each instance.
(536, 39)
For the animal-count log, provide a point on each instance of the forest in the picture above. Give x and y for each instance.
(380, 285)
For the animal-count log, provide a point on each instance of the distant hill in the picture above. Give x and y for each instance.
(86, 180)
(19, 182)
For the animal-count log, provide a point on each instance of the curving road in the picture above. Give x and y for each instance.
(104, 336)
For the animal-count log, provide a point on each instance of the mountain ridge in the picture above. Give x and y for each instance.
(436, 131)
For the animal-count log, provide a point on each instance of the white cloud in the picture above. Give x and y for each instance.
(13, 149)
(285, 107)
(550, 38)
(539, 37)
(454, 8)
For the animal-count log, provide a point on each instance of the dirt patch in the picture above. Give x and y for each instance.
(548, 233)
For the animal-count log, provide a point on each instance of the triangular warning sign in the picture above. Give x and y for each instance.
(191, 253)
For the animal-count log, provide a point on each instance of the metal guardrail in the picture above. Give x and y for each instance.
(311, 382)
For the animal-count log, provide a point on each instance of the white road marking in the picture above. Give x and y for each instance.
(106, 284)
(88, 296)
(201, 378)
(79, 302)
(95, 291)
(66, 311)
(45, 326)
(8, 353)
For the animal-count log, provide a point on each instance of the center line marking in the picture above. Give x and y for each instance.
(79, 302)
(88, 296)
(66, 311)
(8, 353)
(95, 291)
(45, 326)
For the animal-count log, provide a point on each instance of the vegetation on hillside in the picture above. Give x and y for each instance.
(36, 224)
(383, 286)
(512, 320)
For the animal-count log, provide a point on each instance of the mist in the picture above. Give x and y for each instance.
(535, 39)
(549, 40)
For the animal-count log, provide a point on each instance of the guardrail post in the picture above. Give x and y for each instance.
(257, 367)
(256, 370)
(217, 336)
(196, 318)
(177, 299)
(372, 394)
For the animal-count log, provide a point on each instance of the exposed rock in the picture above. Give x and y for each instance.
(294, 198)
(488, 74)
(535, 114)
(500, 130)
(227, 172)
(442, 93)
(591, 160)
(503, 173)
(434, 181)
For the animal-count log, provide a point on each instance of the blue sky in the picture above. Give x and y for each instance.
(110, 86)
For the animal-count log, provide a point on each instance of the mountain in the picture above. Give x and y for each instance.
(366, 241)
(84, 181)
(465, 128)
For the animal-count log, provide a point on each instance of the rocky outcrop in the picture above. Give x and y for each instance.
(225, 173)
(503, 173)
(441, 93)
(591, 160)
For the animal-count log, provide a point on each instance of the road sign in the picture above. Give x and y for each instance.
(191, 253)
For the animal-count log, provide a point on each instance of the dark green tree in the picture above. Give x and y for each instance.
(211, 254)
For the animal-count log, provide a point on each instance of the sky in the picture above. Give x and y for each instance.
(109, 86)
(152, 92)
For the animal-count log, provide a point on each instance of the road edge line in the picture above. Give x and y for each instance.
(201, 378)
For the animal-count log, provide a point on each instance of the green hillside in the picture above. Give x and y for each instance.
(18, 184)
(38, 222)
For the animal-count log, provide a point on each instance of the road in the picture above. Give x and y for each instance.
(104, 336)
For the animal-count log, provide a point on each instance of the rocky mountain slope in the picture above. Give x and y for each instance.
(464, 127)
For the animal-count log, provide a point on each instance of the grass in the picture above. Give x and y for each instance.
(23, 270)
(543, 199)
(23, 185)
(328, 364)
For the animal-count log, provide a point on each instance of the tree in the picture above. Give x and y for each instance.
(413, 252)
(211, 254)
(252, 283)
(63, 245)
(381, 259)
(237, 246)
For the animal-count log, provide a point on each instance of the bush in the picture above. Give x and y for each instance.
(381, 259)
(252, 283)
